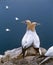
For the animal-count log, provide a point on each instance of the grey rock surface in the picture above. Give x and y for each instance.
(14, 57)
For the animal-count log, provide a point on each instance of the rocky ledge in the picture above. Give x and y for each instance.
(14, 57)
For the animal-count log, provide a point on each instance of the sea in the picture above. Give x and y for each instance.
(13, 12)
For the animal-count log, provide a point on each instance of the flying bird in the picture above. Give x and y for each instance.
(7, 6)
(47, 55)
(16, 18)
(7, 29)
(30, 38)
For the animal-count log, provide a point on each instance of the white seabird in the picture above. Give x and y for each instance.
(48, 55)
(7, 29)
(7, 6)
(16, 18)
(36, 39)
(30, 37)
(27, 38)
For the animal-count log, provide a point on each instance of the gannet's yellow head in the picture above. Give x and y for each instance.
(28, 23)
(33, 25)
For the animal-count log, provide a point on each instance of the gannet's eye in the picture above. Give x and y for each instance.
(23, 22)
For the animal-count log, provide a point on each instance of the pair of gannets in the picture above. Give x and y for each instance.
(48, 55)
(30, 38)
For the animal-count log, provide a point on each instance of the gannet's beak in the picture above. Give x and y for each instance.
(23, 22)
(37, 23)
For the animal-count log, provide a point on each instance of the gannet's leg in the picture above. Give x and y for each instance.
(37, 49)
(23, 51)
(40, 52)
(47, 58)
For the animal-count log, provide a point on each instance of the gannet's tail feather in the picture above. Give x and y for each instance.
(47, 58)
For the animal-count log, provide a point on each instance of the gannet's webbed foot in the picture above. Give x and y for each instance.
(23, 51)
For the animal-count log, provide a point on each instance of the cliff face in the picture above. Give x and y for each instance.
(14, 57)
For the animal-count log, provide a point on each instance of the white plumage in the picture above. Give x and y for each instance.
(27, 39)
(36, 40)
(48, 54)
(30, 37)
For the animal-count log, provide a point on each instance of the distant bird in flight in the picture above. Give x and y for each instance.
(16, 18)
(47, 55)
(7, 29)
(30, 38)
(7, 7)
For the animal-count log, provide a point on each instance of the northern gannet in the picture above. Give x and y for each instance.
(16, 18)
(30, 38)
(27, 39)
(7, 7)
(36, 39)
(48, 55)
(7, 29)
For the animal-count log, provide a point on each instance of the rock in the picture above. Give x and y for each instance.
(24, 62)
(8, 63)
(14, 57)
(48, 62)
(30, 51)
(1, 56)
(33, 63)
(14, 53)
(5, 58)
(43, 50)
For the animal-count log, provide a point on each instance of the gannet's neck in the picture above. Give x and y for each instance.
(30, 30)
(31, 27)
